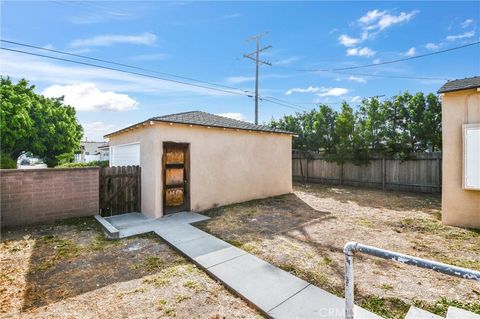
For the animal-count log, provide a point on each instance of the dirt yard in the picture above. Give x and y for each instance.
(304, 233)
(69, 270)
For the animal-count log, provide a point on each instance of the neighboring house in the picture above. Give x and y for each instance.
(92, 151)
(461, 152)
(196, 160)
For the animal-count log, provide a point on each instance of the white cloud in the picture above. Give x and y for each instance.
(411, 52)
(376, 61)
(371, 16)
(87, 97)
(465, 35)
(432, 46)
(111, 39)
(333, 92)
(94, 131)
(310, 89)
(235, 116)
(466, 23)
(357, 79)
(388, 20)
(289, 60)
(381, 19)
(367, 52)
(149, 57)
(348, 41)
(355, 99)
(240, 79)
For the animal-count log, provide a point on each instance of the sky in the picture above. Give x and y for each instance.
(206, 41)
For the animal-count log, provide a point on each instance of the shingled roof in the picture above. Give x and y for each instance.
(462, 84)
(210, 120)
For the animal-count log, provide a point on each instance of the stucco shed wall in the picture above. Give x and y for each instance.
(226, 166)
(460, 207)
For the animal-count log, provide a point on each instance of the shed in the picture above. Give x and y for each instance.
(196, 161)
(461, 152)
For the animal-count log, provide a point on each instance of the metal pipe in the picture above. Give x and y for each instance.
(352, 247)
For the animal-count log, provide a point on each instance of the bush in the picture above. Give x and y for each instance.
(7, 162)
(88, 164)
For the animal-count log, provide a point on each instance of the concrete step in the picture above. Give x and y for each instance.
(417, 313)
(457, 313)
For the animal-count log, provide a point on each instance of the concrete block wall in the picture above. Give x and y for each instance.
(43, 195)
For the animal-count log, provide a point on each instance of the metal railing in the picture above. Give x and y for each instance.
(353, 247)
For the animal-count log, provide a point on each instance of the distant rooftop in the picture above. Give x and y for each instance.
(211, 120)
(461, 84)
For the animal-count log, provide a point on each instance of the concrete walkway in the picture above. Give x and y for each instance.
(275, 292)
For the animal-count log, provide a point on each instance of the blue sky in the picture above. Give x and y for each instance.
(206, 41)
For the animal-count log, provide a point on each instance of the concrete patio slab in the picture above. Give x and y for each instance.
(219, 256)
(179, 234)
(259, 282)
(201, 246)
(313, 302)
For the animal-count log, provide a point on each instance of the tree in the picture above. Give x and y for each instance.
(344, 128)
(433, 122)
(31, 122)
(325, 129)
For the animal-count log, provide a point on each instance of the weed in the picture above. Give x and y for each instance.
(150, 263)
(440, 307)
(124, 293)
(386, 287)
(180, 298)
(157, 281)
(192, 284)
(386, 307)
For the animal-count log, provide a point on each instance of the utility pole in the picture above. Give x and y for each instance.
(255, 56)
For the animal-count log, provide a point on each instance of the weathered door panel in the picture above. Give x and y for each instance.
(175, 177)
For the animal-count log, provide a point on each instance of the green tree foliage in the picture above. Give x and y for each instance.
(397, 126)
(31, 122)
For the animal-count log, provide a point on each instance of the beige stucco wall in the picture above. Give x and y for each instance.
(226, 166)
(459, 207)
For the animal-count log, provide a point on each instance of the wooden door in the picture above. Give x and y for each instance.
(176, 196)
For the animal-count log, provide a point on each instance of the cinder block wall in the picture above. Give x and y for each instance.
(42, 195)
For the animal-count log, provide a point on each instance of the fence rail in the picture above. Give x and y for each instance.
(422, 172)
(352, 247)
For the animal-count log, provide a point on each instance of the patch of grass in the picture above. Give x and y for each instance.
(124, 293)
(192, 284)
(440, 307)
(150, 263)
(365, 222)
(80, 223)
(327, 260)
(180, 298)
(63, 249)
(386, 307)
(167, 310)
(157, 281)
(100, 242)
(386, 287)
(234, 242)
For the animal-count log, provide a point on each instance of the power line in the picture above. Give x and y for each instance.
(121, 64)
(282, 103)
(392, 61)
(124, 71)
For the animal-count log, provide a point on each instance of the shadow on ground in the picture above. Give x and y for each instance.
(374, 198)
(74, 257)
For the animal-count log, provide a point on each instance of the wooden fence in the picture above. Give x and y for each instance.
(120, 191)
(421, 173)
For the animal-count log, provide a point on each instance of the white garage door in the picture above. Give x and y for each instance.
(124, 155)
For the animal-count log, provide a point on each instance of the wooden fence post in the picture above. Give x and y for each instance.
(384, 173)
